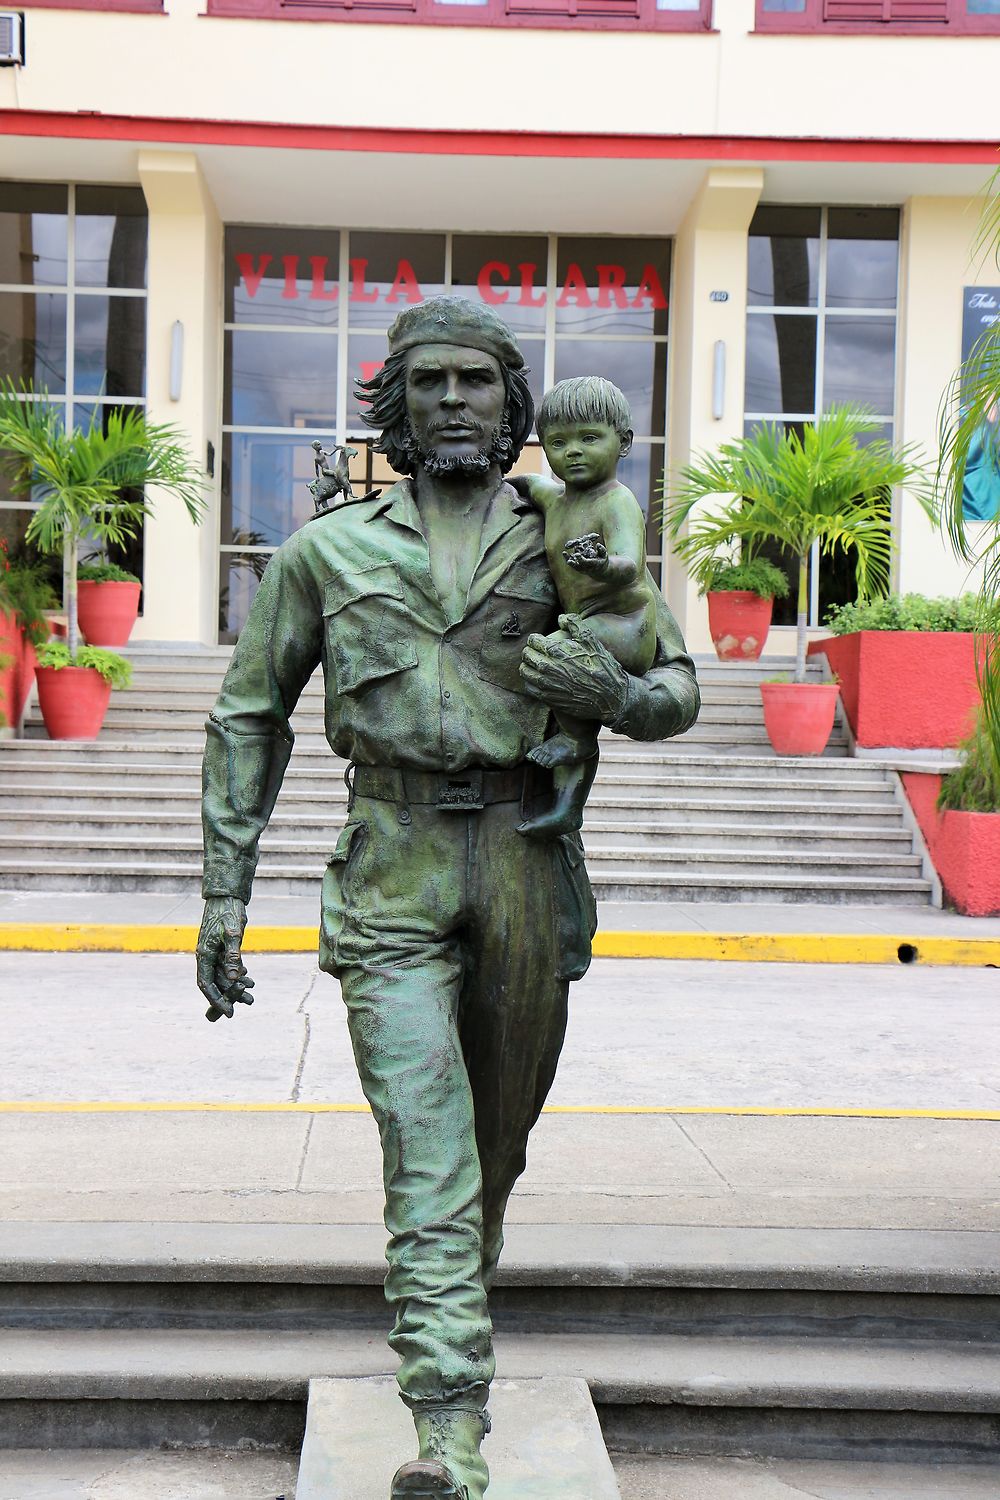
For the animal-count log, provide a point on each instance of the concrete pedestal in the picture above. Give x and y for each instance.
(546, 1442)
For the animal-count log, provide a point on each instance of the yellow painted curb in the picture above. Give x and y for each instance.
(181, 1107)
(740, 947)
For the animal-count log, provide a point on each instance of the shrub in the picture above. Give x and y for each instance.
(975, 786)
(904, 612)
(105, 572)
(757, 577)
(112, 667)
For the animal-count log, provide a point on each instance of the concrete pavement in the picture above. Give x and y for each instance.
(699, 1093)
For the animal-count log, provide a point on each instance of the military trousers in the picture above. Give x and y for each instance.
(454, 939)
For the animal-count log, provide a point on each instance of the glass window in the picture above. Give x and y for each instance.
(781, 364)
(33, 340)
(110, 346)
(637, 367)
(642, 472)
(784, 257)
(859, 364)
(283, 276)
(239, 578)
(389, 272)
(794, 7)
(833, 261)
(265, 494)
(984, 7)
(300, 381)
(508, 272)
(110, 226)
(612, 286)
(281, 379)
(78, 344)
(862, 257)
(34, 221)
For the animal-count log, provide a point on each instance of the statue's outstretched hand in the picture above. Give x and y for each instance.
(574, 673)
(222, 975)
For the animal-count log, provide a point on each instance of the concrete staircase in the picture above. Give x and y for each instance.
(821, 1343)
(715, 815)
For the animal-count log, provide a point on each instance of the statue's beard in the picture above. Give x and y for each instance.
(439, 465)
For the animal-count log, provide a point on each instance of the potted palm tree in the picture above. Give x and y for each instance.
(86, 486)
(829, 488)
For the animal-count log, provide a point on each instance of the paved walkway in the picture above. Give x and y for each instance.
(689, 1093)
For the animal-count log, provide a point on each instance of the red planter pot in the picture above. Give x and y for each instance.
(107, 611)
(964, 847)
(739, 622)
(73, 701)
(905, 689)
(798, 716)
(11, 653)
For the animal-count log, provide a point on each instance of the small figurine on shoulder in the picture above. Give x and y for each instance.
(595, 542)
(331, 480)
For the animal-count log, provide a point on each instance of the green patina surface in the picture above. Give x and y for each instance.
(433, 612)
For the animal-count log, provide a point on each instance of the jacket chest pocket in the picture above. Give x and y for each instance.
(518, 608)
(369, 633)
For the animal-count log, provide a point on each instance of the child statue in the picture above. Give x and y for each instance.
(331, 482)
(595, 542)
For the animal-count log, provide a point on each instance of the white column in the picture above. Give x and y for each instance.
(185, 286)
(711, 257)
(938, 235)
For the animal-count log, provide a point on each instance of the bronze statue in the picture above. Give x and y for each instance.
(585, 427)
(331, 482)
(433, 611)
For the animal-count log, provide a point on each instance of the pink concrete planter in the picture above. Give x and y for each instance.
(964, 847)
(905, 689)
(738, 621)
(798, 716)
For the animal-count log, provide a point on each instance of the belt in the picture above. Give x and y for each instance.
(451, 791)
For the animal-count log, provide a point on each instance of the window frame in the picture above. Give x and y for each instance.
(822, 311)
(440, 13)
(138, 7)
(811, 22)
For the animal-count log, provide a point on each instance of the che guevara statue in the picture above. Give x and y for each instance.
(433, 613)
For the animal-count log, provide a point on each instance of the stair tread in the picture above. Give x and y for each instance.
(763, 1372)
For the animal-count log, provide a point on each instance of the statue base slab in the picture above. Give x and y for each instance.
(546, 1442)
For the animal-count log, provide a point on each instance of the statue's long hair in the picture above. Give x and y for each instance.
(385, 398)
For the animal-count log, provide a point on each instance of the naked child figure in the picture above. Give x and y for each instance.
(432, 610)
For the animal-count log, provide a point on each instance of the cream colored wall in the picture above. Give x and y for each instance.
(938, 234)
(710, 256)
(188, 65)
(185, 285)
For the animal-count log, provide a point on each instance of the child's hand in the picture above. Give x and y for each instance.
(588, 554)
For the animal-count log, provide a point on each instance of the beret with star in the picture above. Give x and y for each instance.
(455, 320)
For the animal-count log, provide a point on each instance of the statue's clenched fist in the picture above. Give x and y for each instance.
(222, 975)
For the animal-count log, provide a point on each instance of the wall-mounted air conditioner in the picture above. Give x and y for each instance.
(11, 38)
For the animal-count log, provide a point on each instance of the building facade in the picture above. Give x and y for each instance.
(739, 213)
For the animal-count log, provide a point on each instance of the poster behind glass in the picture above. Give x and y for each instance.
(981, 490)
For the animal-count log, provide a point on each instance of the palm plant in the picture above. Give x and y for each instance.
(88, 485)
(827, 487)
(970, 433)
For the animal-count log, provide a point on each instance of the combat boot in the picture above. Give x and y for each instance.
(450, 1465)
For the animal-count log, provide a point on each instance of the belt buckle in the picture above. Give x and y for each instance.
(462, 792)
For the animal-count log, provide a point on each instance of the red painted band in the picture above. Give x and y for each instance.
(98, 127)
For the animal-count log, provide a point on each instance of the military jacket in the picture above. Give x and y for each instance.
(405, 686)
